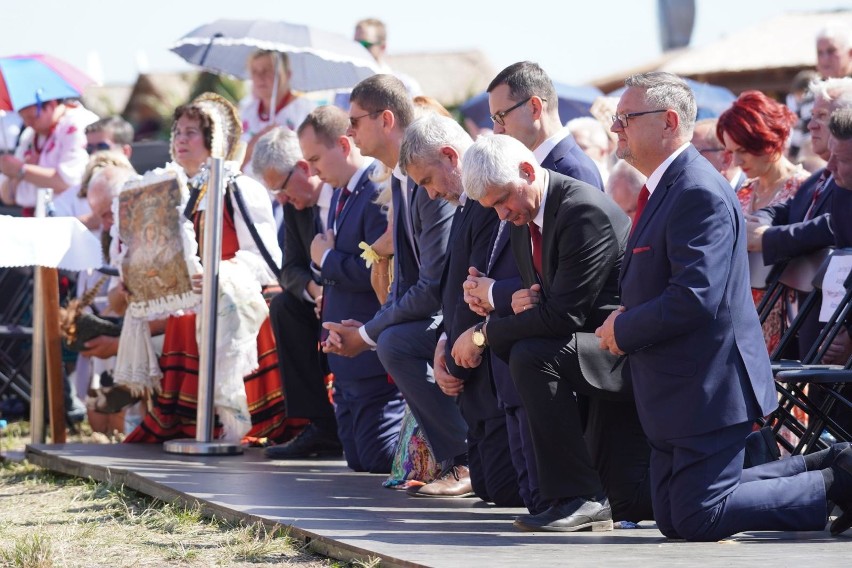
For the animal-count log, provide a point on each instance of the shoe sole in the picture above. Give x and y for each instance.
(429, 496)
(593, 526)
(328, 454)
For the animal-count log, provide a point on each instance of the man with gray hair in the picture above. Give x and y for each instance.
(567, 239)
(278, 159)
(431, 154)
(834, 52)
(693, 344)
(624, 184)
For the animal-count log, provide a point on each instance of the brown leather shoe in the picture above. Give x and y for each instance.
(455, 482)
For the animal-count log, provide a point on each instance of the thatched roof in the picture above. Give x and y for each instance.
(763, 56)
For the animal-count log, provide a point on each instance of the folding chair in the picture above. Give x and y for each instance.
(16, 285)
(793, 378)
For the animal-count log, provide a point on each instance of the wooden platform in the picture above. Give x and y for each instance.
(350, 516)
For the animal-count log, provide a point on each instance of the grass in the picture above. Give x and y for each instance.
(29, 551)
(54, 520)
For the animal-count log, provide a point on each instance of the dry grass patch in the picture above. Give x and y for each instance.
(51, 520)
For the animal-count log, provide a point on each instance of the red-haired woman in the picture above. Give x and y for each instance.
(755, 130)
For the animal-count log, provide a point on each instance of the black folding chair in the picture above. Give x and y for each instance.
(797, 381)
(16, 294)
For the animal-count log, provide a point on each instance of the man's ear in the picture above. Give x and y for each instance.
(450, 153)
(672, 120)
(527, 171)
(537, 107)
(388, 119)
(305, 167)
(345, 144)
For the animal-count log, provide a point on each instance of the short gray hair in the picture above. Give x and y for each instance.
(837, 91)
(838, 34)
(592, 127)
(277, 150)
(840, 124)
(493, 161)
(623, 171)
(108, 181)
(427, 135)
(665, 90)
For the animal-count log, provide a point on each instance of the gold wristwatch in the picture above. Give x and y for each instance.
(478, 335)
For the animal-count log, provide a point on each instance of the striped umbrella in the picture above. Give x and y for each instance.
(318, 59)
(26, 80)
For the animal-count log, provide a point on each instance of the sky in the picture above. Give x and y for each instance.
(574, 41)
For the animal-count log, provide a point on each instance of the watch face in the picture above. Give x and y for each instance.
(478, 338)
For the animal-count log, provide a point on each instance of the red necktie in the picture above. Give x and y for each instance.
(535, 237)
(820, 185)
(341, 201)
(640, 206)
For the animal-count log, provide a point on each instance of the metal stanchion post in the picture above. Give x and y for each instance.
(203, 443)
(37, 378)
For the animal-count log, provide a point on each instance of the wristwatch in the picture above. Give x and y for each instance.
(478, 336)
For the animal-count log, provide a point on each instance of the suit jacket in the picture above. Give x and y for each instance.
(471, 236)
(696, 355)
(841, 208)
(300, 227)
(569, 160)
(790, 235)
(347, 293)
(418, 264)
(583, 241)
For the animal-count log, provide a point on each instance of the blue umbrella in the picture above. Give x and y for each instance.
(26, 80)
(573, 102)
(712, 100)
(319, 60)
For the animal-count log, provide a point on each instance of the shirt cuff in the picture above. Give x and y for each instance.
(362, 331)
(491, 295)
(307, 297)
(443, 337)
(324, 255)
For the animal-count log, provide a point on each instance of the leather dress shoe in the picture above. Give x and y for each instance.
(570, 515)
(310, 443)
(455, 482)
(843, 523)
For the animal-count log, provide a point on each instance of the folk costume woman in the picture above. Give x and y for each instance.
(248, 395)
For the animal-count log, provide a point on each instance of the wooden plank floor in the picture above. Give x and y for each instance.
(351, 516)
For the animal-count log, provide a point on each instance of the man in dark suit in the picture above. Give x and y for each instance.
(278, 159)
(695, 351)
(403, 331)
(570, 275)
(490, 286)
(431, 154)
(368, 406)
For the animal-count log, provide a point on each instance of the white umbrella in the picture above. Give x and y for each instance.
(319, 60)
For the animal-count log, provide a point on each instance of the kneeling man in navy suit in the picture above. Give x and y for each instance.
(694, 350)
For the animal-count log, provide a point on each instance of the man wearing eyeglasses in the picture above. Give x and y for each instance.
(707, 143)
(404, 331)
(278, 159)
(692, 340)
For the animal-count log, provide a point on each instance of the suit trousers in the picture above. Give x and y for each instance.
(369, 414)
(301, 363)
(580, 453)
(523, 459)
(491, 470)
(407, 351)
(701, 492)
(545, 372)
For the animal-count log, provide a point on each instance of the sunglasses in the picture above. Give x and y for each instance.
(92, 148)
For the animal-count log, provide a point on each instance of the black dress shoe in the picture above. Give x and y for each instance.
(570, 515)
(311, 443)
